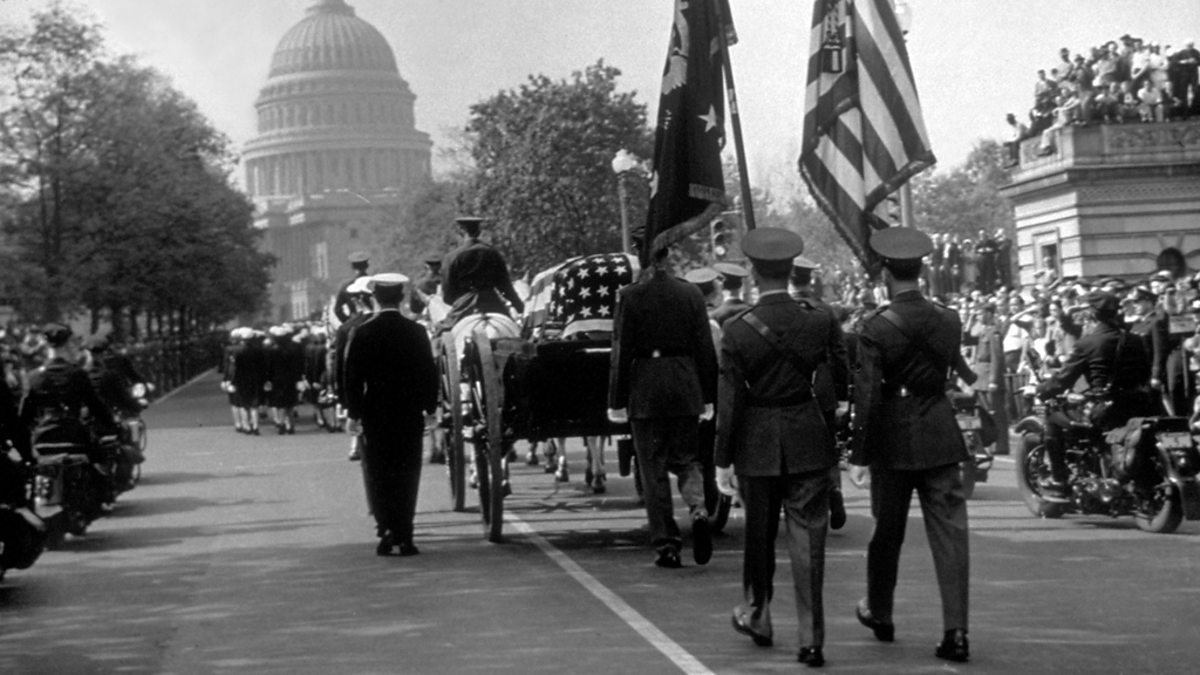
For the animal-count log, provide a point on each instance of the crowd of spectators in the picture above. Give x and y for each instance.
(1122, 81)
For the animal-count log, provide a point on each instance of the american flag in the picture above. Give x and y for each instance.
(864, 135)
(584, 294)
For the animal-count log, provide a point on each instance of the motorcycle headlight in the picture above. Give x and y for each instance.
(139, 390)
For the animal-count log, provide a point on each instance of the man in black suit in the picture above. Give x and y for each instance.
(906, 432)
(662, 379)
(391, 384)
(772, 432)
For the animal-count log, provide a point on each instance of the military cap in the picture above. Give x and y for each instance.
(96, 343)
(897, 244)
(728, 269)
(1140, 293)
(358, 257)
(56, 334)
(1103, 302)
(771, 244)
(359, 286)
(468, 223)
(701, 276)
(433, 262)
(387, 280)
(804, 263)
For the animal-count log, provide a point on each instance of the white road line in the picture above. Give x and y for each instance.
(183, 386)
(658, 639)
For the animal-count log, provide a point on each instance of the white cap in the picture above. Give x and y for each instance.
(388, 279)
(359, 285)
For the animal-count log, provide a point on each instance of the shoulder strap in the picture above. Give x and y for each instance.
(778, 345)
(920, 342)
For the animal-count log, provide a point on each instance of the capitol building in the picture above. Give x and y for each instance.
(336, 151)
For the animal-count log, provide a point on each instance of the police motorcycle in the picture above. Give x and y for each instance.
(1147, 469)
(77, 482)
(22, 531)
(979, 435)
(132, 438)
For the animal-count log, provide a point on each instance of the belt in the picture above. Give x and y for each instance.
(784, 402)
(904, 391)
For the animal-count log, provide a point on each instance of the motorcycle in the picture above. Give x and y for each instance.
(76, 487)
(973, 421)
(22, 531)
(1147, 469)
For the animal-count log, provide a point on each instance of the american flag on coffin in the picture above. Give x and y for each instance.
(581, 294)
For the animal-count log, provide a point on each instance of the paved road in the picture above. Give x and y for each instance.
(256, 555)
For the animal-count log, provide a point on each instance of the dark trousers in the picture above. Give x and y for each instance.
(392, 475)
(805, 501)
(944, 509)
(663, 446)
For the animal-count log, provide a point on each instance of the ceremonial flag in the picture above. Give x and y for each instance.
(687, 186)
(864, 135)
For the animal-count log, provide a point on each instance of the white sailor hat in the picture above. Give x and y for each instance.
(359, 285)
(387, 280)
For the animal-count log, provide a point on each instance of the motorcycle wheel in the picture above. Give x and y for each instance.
(1163, 511)
(1032, 468)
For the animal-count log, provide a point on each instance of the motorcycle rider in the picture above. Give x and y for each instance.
(1116, 365)
(109, 379)
(11, 431)
(58, 392)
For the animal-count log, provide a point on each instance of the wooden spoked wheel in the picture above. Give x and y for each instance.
(451, 398)
(489, 439)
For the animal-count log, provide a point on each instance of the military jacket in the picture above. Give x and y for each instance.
(53, 406)
(769, 423)
(663, 360)
(902, 417)
(390, 376)
(1095, 358)
(476, 274)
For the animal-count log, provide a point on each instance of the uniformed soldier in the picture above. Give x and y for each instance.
(1154, 327)
(316, 374)
(772, 434)
(905, 431)
(391, 384)
(832, 377)
(285, 369)
(344, 305)
(426, 286)
(733, 278)
(247, 377)
(475, 277)
(58, 392)
(232, 349)
(663, 378)
(109, 382)
(360, 298)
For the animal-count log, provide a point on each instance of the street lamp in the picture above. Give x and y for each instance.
(623, 163)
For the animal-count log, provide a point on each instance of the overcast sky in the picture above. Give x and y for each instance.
(974, 60)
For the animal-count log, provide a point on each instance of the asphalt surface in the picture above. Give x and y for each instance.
(256, 555)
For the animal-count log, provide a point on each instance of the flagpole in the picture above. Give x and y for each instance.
(735, 118)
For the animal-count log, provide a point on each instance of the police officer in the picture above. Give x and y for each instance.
(662, 379)
(832, 377)
(1155, 330)
(391, 383)
(772, 433)
(109, 382)
(58, 392)
(1116, 365)
(905, 431)
(475, 277)
(733, 277)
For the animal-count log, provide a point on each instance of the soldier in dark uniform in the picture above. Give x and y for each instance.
(12, 491)
(1154, 327)
(343, 302)
(475, 277)
(363, 309)
(58, 393)
(237, 344)
(426, 286)
(663, 378)
(108, 380)
(1117, 367)
(285, 368)
(247, 377)
(905, 430)
(772, 433)
(832, 378)
(732, 280)
(316, 374)
(391, 384)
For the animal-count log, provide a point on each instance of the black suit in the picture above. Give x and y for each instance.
(905, 430)
(771, 428)
(663, 371)
(391, 380)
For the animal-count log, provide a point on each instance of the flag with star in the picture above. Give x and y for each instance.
(687, 187)
(584, 293)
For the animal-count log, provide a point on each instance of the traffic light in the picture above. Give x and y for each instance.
(725, 236)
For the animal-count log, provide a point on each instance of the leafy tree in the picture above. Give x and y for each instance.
(425, 219)
(542, 165)
(966, 199)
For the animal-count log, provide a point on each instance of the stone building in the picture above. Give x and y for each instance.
(1110, 200)
(337, 149)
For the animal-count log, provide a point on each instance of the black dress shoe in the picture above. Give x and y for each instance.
(385, 545)
(954, 646)
(702, 546)
(668, 557)
(837, 510)
(812, 656)
(408, 548)
(760, 639)
(885, 631)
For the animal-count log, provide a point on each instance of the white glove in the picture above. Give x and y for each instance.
(708, 412)
(727, 481)
(860, 476)
(618, 415)
(354, 427)
(301, 386)
(230, 388)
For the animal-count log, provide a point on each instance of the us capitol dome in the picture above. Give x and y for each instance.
(336, 149)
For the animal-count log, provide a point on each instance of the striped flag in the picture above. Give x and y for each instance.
(864, 135)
